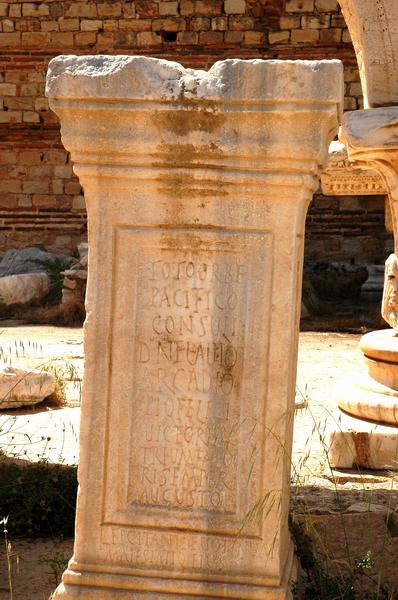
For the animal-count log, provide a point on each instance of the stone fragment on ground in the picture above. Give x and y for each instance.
(21, 387)
(23, 290)
(31, 260)
(365, 432)
(360, 443)
(27, 276)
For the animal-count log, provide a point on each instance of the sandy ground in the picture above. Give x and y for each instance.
(324, 359)
(36, 568)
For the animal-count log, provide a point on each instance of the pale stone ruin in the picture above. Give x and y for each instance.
(24, 387)
(197, 185)
(25, 277)
(75, 278)
(366, 433)
(341, 178)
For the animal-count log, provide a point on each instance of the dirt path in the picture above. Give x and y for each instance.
(36, 568)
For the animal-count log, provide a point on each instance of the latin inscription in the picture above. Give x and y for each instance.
(166, 551)
(189, 357)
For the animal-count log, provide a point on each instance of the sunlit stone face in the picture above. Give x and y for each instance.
(197, 186)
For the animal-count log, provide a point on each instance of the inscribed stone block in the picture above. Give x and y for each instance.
(197, 186)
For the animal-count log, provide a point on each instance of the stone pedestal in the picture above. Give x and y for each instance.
(372, 144)
(366, 433)
(365, 430)
(197, 186)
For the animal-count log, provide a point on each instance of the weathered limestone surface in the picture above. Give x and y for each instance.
(373, 26)
(380, 345)
(20, 387)
(197, 186)
(341, 178)
(21, 290)
(371, 138)
(389, 309)
(369, 399)
(31, 260)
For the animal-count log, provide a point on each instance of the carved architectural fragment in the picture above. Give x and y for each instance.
(389, 308)
(341, 178)
(368, 435)
(371, 138)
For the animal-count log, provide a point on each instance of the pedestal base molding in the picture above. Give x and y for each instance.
(107, 586)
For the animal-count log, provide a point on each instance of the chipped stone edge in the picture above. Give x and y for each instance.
(370, 128)
(137, 77)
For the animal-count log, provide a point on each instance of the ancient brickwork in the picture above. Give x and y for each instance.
(194, 32)
(347, 228)
(40, 200)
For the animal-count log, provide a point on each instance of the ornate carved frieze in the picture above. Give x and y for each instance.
(341, 178)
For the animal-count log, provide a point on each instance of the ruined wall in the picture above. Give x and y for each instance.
(347, 228)
(40, 199)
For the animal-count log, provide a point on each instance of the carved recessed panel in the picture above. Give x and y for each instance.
(186, 420)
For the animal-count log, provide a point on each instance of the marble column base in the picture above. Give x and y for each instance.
(380, 350)
(355, 442)
(364, 433)
(368, 399)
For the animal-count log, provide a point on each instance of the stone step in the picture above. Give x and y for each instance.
(354, 442)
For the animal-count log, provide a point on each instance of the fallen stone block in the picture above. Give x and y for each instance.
(21, 387)
(22, 290)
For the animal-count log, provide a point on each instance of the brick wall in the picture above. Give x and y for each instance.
(40, 199)
(347, 228)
